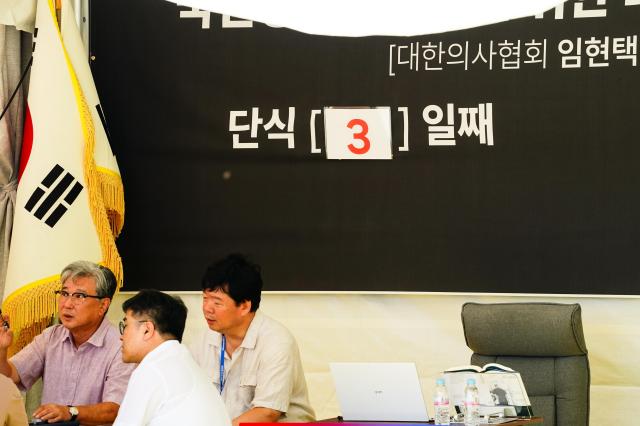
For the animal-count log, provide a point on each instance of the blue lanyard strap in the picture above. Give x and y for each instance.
(222, 349)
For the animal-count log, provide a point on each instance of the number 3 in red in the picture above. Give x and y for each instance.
(364, 128)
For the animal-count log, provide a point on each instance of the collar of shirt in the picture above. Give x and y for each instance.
(163, 347)
(250, 339)
(96, 339)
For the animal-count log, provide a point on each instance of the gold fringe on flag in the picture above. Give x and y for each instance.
(113, 196)
(31, 310)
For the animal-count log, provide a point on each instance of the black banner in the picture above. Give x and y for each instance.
(514, 151)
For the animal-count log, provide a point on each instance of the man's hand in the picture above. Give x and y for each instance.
(6, 335)
(53, 413)
(6, 338)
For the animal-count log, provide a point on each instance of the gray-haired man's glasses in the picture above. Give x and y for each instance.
(76, 298)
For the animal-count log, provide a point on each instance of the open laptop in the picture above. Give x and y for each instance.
(379, 391)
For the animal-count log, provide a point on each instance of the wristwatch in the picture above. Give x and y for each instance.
(73, 411)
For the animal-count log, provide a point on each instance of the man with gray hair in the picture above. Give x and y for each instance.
(80, 360)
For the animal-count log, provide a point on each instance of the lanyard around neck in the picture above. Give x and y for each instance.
(223, 346)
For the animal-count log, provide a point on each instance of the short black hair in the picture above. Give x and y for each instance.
(167, 313)
(236, 276)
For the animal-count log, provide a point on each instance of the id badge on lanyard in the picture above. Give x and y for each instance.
(223, 347)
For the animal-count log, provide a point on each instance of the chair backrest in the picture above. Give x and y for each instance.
(544, 342)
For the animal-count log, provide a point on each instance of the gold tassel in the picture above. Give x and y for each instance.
(31, 310)
(113, 196)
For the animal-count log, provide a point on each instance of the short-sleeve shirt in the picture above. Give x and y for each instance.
(169, 389)
(89, 374)
(265, 370)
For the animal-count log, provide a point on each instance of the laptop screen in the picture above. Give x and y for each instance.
(379, 391)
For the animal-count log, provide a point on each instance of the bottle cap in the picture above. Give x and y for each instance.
(440, 382)
(471, 381)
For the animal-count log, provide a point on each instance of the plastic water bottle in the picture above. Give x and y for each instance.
(441, 404)
(471, 404)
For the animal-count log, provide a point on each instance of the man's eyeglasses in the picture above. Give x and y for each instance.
(76, 298)
(123, 325)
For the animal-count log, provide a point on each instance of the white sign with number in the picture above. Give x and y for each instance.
(358, 133)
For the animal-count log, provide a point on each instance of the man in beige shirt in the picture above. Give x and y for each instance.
(12, 411)
(259, 374)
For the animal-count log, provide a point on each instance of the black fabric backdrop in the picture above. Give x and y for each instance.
(552, 207)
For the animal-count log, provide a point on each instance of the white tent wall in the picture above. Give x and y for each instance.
(426, 329)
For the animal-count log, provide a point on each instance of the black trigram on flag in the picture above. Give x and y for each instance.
(54, 205)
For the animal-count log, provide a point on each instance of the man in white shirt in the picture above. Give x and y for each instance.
(168, 388)
(252, 359)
